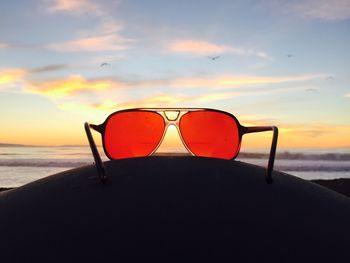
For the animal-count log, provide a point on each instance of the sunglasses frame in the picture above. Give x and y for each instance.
(167, 122)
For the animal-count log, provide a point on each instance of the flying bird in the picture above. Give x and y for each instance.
(289, 55)
(330, 78)
(213, 58)
(104, 64)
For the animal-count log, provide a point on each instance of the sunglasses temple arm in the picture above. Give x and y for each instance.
(98, 162)
(269, 178)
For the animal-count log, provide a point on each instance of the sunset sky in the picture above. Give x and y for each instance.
(283, 63)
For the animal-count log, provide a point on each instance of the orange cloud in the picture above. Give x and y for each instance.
(76, 84)
(82, 106)
(72, 85)
(92, 44)
(10, 76)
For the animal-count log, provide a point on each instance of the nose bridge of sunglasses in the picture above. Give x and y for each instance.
(171, 115)
(171, 142)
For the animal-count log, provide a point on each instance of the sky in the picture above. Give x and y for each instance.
(283, 63)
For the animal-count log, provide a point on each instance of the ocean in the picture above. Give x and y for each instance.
(20, 165)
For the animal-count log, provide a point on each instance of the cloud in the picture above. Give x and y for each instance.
(263, 55)
(311, 130)
(296, 135)
(103, 36)
(108, 25)
(218, 96)
(76, 84)
(48, 68)
(78, 94)
(75, 7)
(3, 45)
(154, 101)
(92, 44)
(85, 106)
(325, 9)
(11, 76)
(199, 47)
(314, 130)
(166, 100)
(196, 47)
(330, 10)
(315, 135)
(219, 81)
(347, 95)
(73, 85)
(228, 81)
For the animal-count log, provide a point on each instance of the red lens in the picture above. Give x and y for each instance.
(210, 134)
(133, 134)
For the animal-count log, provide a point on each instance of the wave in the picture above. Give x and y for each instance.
(306, 168)
(44, 163)
(298, 156)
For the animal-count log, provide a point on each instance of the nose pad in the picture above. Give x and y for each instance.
(172, 142)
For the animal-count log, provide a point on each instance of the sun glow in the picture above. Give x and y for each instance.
(171, 142)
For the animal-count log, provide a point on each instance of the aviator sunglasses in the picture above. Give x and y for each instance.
(204, 132)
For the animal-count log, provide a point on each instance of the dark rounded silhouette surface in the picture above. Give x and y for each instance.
(171, 208)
